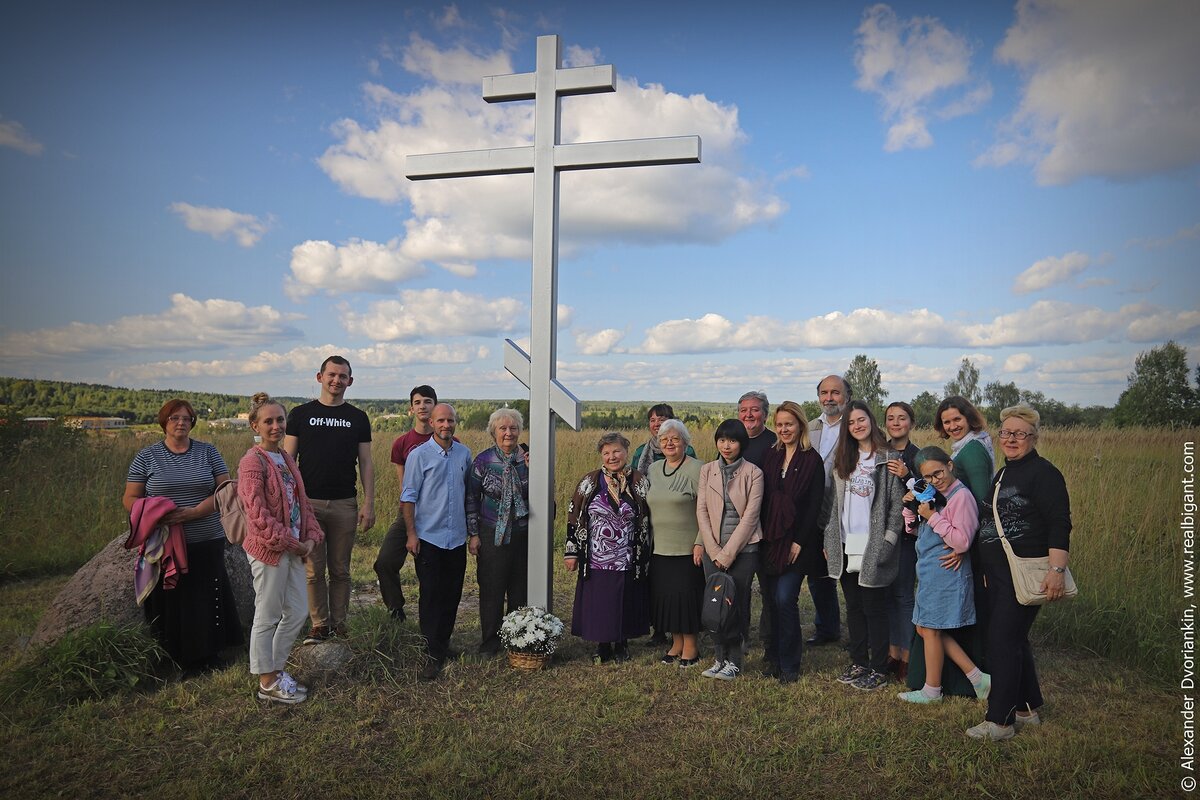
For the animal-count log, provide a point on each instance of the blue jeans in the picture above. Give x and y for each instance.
(789, 638)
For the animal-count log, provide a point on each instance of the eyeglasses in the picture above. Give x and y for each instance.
(1020, 436)
(670, 440)
(936, 475)
(179, 418)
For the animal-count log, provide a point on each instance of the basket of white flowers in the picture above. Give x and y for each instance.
(530, 634)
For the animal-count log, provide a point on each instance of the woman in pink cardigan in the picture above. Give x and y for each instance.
(280, 532)
(728, 502)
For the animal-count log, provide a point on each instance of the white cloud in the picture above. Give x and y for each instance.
(449, 18)
(1018, 362)
(598, 343)
(919, 69)
(458, 65)
(1183, 234)
(246, 229)
(1045, 322)
(1087, 371)
(466, 220)
(1050, 322)
(576, 56)
(1051, 271)
(434, 313)
(355, 266)
(302, 360)
(1109, 90)
(14, 135)
(710, 333)
(187, 325)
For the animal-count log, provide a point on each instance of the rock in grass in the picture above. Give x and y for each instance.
(320, 664)
(102, 589)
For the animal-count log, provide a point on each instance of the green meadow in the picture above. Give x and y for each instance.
(1109, 665)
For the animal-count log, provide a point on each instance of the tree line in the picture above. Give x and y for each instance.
(1162, 390)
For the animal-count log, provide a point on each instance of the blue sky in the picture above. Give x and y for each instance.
(213, 197)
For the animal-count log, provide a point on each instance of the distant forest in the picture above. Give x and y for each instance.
(22, 397)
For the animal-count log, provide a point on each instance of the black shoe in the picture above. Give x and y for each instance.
(818, 639)
(431, 670)
(621, 652)
(788, 677)
(668, 659)
(770, 669)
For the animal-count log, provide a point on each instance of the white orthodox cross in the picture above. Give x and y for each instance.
(545, 159)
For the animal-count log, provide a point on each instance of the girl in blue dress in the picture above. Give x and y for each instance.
(945, 597)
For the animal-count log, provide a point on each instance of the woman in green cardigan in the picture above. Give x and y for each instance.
(971, 446)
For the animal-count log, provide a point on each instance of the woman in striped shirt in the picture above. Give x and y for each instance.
(197, 618)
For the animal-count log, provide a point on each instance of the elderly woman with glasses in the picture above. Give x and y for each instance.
(498, 524)
(676, 580)
(608, 543)
(1029, 497)
(195, 616)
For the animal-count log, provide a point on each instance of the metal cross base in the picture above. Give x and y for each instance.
(545, 159)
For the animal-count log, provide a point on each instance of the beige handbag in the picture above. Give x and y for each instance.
(1028, 574)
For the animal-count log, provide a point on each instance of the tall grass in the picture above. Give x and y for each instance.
(61, 503)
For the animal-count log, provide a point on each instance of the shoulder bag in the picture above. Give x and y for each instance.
(1028, 574)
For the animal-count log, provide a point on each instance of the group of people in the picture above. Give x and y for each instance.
(912, 535)
(297, 487)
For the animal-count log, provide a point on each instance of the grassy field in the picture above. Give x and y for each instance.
(642, 729)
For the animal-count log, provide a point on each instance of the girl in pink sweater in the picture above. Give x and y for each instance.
(945, 596)
(280, 532)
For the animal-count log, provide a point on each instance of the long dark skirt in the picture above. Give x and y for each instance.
(198, 618)
(610, 606)
(676, 588)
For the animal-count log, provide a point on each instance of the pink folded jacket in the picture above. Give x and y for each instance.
(162, 549)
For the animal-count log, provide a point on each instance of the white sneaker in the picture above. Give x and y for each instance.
(1031, 718)
(712, 671)
(728, 672)
(278, 693)
(287, 680)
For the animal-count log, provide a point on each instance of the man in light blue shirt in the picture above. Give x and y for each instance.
(433, 500)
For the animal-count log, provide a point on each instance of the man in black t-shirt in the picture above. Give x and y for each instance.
(330, 438)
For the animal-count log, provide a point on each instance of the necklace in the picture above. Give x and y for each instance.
(672, 472)
(787, 462)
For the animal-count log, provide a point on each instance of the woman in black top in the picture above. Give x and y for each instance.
(1035, 512)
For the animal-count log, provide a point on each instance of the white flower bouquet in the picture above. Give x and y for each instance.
(531, 629)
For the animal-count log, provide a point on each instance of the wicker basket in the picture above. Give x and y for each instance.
(529, 662)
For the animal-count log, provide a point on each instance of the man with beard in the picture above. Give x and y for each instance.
(833, 393)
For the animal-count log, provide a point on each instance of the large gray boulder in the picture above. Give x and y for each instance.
(103, 589)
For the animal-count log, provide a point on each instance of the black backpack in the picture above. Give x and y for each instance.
(716, 615)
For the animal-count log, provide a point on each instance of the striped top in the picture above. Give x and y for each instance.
(187, 478)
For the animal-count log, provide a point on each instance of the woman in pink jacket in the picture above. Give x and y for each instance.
(728, 502)
(280, 532)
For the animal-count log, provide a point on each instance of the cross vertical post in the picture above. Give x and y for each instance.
(545, 159)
